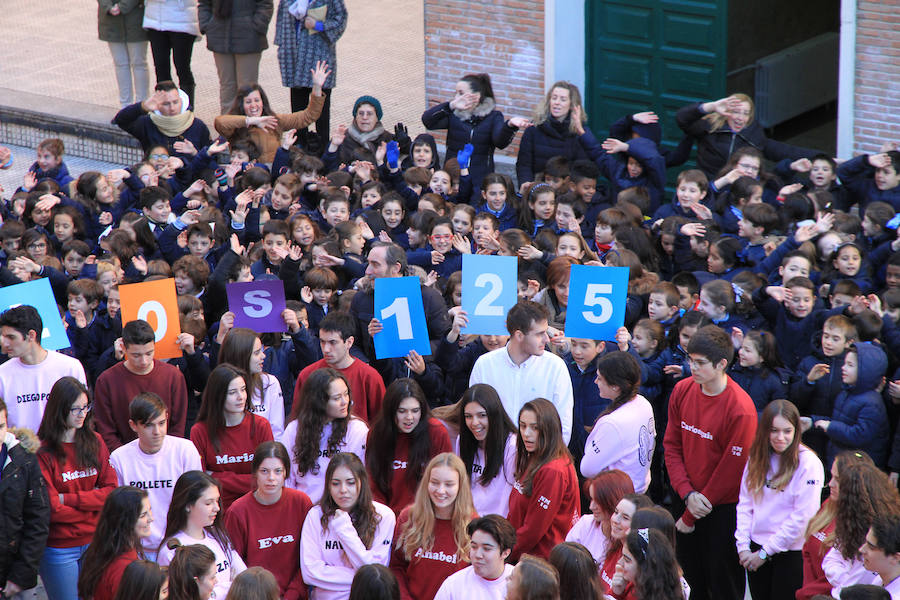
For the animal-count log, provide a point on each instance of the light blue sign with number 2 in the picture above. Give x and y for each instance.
(488, 292)
(398, 305)
(597, 298)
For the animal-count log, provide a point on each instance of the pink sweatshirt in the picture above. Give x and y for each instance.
(588, 533)
(623, 440)
(468, 585)
(329, 559)
(842, 572)
(157, 474)
(313, 484)
(493, 498)
(775, 519)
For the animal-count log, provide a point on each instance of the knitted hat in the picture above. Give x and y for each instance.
(368, 100)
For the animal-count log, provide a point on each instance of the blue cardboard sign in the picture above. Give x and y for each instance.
(399, 307)
(488, 292)
(597, 298)
(38, 294)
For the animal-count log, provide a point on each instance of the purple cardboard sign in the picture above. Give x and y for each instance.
(257, 305)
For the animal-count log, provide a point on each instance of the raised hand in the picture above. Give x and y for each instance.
(646, 117)
(185, 147)
(392, 154)
(612, 145)
(337, 137)
(520, 122)
(320, 73)
(288, 138)
(802, 165)
(265, 122)
(47, 201)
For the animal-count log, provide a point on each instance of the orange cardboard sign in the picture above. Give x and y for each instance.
(157, 303)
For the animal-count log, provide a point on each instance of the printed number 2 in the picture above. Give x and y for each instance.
(594, 297)
(484, 307)
(399, 308)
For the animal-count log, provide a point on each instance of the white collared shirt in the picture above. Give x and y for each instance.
(544, 376)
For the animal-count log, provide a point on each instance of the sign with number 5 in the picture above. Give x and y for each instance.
(597, 298)
(398, 305)
(488, 292)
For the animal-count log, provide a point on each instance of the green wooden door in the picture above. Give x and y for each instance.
(653, 55)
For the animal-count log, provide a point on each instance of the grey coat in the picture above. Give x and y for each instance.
(298, 51)
(124, 28)
(243, 32)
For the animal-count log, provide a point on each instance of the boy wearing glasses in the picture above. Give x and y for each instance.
(711, 426)
(29, 374)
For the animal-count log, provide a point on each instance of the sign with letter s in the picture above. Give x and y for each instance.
(399, 308)
(488, 292)
(39, 295)
(597, 298)
(257, 305)
(157, 303)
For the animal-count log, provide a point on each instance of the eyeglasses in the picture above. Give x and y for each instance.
(442, 236)
(37, 246)
(747, 167)
(158, 157)
(81, 410)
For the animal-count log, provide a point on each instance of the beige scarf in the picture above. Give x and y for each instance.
(173, 126)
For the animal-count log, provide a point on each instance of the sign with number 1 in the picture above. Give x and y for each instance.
(398, 305)
(488, 292)
(597, 298)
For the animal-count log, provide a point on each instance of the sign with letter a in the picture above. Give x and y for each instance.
(258, 305)
(157, 303)
(39, 294)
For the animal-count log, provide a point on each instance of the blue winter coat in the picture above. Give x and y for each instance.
(546, 140)
(484, 128)
(860, 418)
(761, 383)
(857, 175)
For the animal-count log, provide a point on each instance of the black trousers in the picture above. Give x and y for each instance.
(709, 557)
(168, 46)
(299, 101)
(778, 578)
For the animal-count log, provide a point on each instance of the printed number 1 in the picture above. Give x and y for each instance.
(399, 308)
(594, 297)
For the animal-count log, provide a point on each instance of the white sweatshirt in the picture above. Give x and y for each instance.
(329, 559)
(157, 474)
(313, 484)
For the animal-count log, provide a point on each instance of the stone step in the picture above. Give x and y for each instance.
(85, 129)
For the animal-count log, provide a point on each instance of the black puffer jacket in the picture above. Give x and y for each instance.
(235, 26)
(715, 147)
(24, 515)
(483, 127)
(548, 139)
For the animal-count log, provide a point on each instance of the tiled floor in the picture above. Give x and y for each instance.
(51, 48)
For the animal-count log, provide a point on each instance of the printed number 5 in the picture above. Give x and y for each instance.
(399, 308)
(594, 297)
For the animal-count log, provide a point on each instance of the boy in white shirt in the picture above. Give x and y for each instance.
(29, 374)
(154, 461)
(492, 539)
(881, 552)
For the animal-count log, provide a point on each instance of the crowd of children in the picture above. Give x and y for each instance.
(768, 281)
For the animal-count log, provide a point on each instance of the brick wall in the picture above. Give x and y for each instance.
(877, 102)
(504, 38)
